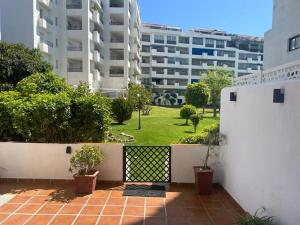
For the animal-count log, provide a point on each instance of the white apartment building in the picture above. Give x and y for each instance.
(282, 42)
(172, 58)
(94, 41)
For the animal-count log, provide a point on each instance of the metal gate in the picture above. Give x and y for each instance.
(147, 164)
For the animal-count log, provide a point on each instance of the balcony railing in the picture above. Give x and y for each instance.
(74, 27)
(290, 71)
(74, 48)
(75, 69)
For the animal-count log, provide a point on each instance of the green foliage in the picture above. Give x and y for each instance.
(204, 137)
(121, 109)
(186, 112)
(7, 102)
(86, 160)
(42, 83)
(90, 118)
(197, 94)
(18, 62)
(45, 109)
(195, 121)
(43, 117)
(256, 219)
(216, 80)
(138, 102)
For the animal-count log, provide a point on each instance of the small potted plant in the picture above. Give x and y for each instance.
(204, 173)
(85, 162)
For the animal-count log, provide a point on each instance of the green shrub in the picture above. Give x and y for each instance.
(86, 160)
(48, 83)
(43, 118)
(186, 112)
(256, 219)
(195, 119)
(7, 102)
(121, 110)
(91, 117)
(203, 136)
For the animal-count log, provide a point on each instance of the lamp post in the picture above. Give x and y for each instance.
(139, 106)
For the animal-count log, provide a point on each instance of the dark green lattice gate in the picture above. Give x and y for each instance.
(147, 164)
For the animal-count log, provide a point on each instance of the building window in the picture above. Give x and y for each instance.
(209, 43)
(171, 40)
(116, 54)
(145, 48)
(159, 39)
(294, 43)
(184, 40)
(197, 41)
(220, 44)
(146, 38)
(116, 71)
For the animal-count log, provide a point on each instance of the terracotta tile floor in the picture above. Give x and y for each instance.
(43, 204)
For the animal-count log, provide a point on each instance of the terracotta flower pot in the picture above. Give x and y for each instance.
(85, 184)
(203, 180)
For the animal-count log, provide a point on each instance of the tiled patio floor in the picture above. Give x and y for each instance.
(41, 204)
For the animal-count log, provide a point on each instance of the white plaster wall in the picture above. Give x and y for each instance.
(184, 157)
(50, 161)
(260, 160)
(286, 24)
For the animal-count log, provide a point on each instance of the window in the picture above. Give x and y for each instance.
(201, 51)
(294, 43)
(197, 41)
(220, 44)
(171, 40)
(209, 42)
(117, 54)
(145, 48)
(171, 50)
(159, 39)
(145, 59)
(146, 37)
(171, 60)
(116, 71)
(184, 40)
(116, 3)
(145, 70)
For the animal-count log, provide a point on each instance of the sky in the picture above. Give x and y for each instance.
(250, 17)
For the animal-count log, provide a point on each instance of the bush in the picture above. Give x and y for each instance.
(7, 102)
(91, 117)
(121, 109)
(186, 112)
(197, 94)
(86, 160)
(49, 83)
(195, 121)
(203, 136)
(256, 219)
(43, 118)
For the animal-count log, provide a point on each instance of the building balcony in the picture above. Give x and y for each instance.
(135, 68)
(96, 17)
(96, 37)
(96, 56)
(46, 47)
(46, 3)
(45, 23)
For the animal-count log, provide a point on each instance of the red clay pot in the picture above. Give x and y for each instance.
(203, 180)
(85, 184)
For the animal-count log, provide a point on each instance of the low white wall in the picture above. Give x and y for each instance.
(184, 157)
(261, 157)
(50, 161)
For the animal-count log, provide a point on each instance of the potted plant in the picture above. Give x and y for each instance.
(204, 173)
(85, 163)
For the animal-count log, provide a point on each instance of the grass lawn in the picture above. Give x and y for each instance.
(163, 127)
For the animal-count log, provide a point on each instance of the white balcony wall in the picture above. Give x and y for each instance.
(260, 160)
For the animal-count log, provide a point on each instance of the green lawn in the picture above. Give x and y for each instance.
(163, 127)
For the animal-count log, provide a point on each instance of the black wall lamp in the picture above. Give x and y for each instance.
(233, 96)
(278, 95)
(69, 150)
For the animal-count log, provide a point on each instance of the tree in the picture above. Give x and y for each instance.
(121, 110)
(132, 95)
(197, 94)
(186, 112)
(195, 121)
(216, 80)
(18, 62)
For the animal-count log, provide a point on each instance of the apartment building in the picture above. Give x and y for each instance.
(94, 41)
(282, 42)
(173, 58)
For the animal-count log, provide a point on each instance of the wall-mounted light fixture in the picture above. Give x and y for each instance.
(69, 150)
(233, 96)
(278, 95)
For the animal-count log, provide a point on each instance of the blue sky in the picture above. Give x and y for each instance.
(252, 17)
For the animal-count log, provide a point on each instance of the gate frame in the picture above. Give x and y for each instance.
(150, 146)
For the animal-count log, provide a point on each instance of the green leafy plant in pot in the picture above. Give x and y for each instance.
(257, 219)
(204, 173)
(84, 163)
